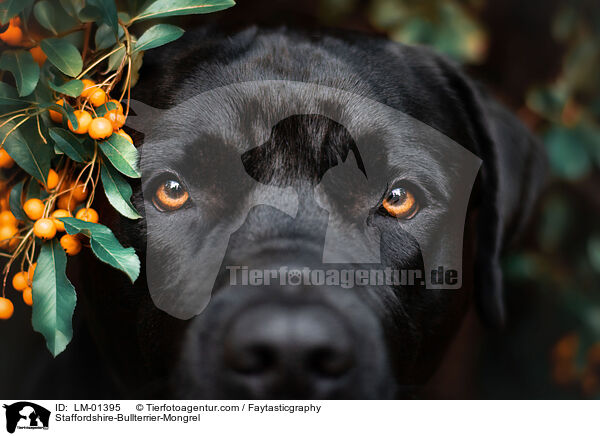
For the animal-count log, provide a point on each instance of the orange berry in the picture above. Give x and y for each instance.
(55, 115)
(28, 296)
(7, 218)
(100, 128)
(79, 192)
(119, 106)
(7, 233)
(34, 208)
(98, 98)
(38, 55)
(6, 308)
(71, 244)
(60, 213)
(12, 36)
(89, 86)
(52, 180)
(125, 135)
(84, 119)
(5, 160)
(31, 271)
(20, 281)
(66, 201)
(13, 244)
(117, 119)
(87, 214)
(4, 199)
(44, 228)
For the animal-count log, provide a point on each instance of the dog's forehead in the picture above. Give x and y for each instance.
(242, 116)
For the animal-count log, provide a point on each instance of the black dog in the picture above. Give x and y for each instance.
(379, 341)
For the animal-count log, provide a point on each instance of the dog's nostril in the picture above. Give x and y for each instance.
(253, 360)
(329, 362)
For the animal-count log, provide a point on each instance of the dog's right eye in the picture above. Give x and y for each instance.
(170, 195)
(400, 203)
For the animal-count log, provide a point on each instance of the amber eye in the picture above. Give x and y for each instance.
(170, 196)
(400, 203)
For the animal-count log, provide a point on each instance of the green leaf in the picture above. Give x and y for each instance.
(9, 99)
(71, 88)
(169, 8)
(51, 15)
(45, 14)
(158, 35)
(105, 37)
(43, 94)
(108, 106)
(66, 109)
(72, 7)
(133, 6)
(27, 149)
(63, 55)
(118, 191)
(34, 190)
(123, 17)
(89, 14)
(122, 154)
(105, 246)
(22, 66)
(69, 111)
(69, 144)
(104, 11)
(108, 13)
(76, 39)
(14, 201)
(115, 59)
(10, 8)
(137, 59)
(54, 298)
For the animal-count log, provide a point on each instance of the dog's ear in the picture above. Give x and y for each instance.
(510, 180)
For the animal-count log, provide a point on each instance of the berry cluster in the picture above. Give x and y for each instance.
(65, 197)
(91, 123)
(62, 141)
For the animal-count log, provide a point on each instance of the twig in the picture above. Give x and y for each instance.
(60, 35)
(107, 55)
(37, 117)
(86, 41)
(11, 119)
(13, 129)
(94, 185)
(17, 111)
(13, 257)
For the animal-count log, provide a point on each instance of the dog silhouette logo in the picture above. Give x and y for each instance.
(26, 415)
(245, 164)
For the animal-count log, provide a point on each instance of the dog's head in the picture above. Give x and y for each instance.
(304, 202)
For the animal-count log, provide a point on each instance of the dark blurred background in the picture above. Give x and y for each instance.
(542, 59)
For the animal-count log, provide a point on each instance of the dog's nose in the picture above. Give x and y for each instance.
(288, 352)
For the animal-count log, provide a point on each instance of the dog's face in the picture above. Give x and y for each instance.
(223, 197)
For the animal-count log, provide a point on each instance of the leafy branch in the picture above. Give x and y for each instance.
(62, 138)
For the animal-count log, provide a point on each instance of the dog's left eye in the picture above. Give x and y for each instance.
(170, 195)
(400, 203)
